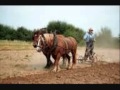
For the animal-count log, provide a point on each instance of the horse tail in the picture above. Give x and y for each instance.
(74, 50)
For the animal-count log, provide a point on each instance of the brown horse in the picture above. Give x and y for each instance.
(45, 51)
(62, 47)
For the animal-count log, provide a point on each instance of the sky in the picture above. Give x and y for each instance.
(81, 16)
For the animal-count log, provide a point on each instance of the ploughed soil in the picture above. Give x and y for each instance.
(27, 67)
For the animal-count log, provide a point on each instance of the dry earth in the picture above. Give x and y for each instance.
(27, 67)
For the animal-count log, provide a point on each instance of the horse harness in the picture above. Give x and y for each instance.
(55, 41)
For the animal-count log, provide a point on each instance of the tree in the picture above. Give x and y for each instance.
(67, 30)
(7, 32)
(24, 34)
(57, 25)
(104, 38)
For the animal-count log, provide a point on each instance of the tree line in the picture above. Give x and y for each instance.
(9, 33)
(104, 38)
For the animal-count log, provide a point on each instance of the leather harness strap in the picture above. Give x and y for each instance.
(65, 43)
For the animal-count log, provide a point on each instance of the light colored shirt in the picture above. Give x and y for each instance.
(88, 37)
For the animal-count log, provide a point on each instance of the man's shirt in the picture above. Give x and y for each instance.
(89, 37)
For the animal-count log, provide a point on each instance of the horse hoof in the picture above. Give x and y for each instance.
(47, 67)
(73, 67)
(54, 70)
(58, 70)
(68, 68)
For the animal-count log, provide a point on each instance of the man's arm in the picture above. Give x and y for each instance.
(94, 38)
(85, 37)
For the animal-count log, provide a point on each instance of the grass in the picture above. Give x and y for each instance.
(22, 45)
(15, 45)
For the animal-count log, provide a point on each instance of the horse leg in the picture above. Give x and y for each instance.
(68, 57)
(64, 61)
(56, 63)
(74, 58)
(49, 62)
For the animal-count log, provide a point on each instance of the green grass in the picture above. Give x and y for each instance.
(15, 45)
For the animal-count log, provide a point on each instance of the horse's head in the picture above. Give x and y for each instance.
(39, 40)
(35, 38)
(41, 43)
(43, 40)
(36, 35)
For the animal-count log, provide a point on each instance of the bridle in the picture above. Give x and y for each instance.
(41, 40)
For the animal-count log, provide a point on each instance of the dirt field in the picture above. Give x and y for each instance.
(27, 67)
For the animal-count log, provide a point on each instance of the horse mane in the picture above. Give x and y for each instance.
(48, 37)
(40, 31)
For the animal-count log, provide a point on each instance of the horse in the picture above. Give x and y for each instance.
(45, 51)
(35, 41)
(62, 47)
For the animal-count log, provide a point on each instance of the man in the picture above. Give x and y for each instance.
(89, 38)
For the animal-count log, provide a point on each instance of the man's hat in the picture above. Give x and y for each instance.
(90, 29)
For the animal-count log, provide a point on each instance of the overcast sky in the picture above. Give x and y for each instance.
(32, 17)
